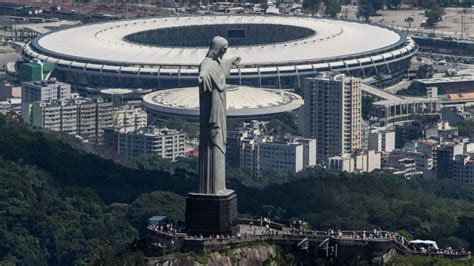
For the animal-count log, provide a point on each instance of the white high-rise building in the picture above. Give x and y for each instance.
(149, 141)
(332, 113)
(381, 139)
(83, 117)
(45, 90)
(129, 116)
(291, 155)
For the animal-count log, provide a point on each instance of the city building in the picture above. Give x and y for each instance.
(235, 136)
(445, 155)
(8, 90)
(232, 156)
(441, 130)
(463, 169)
(291, 155)
(254, 148)
(364, 134)
(332, 113)
(408, 132)
(428, 147)
(148, 141)
(423, 163)
(82, 117)
(401, 166)
(457, 114)
(359, 161)
(381, 139)
(45, 90)
(129, 116)
(10, 105)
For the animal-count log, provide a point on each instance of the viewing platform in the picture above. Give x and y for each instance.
(341, 245)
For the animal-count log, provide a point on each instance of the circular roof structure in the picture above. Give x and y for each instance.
(116, 91)
(276, 51)
(242, 101)
(115, 42)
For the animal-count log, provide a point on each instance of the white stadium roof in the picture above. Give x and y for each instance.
(105, 42)
(241, 101)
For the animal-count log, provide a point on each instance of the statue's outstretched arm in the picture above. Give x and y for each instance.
(227, 64)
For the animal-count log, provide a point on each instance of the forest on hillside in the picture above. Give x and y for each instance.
(62, 206)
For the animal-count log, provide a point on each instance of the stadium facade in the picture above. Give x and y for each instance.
(276, 51)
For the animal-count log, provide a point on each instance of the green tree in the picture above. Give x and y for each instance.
(311, 6)
(413, 90)
(155, 203)
(466, 228)
(409, 21)
(434, 14)
(393, 4)
(333, 8)
(470, 50)
(42, 224)
(425, 71)
(369, 8)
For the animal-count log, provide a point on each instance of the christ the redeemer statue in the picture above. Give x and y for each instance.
(212, 105)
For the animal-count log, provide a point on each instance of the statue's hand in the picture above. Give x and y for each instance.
(200, 79)
(237, 60)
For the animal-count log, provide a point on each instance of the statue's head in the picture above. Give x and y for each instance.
(218, 47)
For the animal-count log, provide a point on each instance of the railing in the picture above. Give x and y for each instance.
(459, 256)
(348, 238)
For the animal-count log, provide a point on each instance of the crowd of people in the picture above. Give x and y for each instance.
(263, 227)
(170, 227)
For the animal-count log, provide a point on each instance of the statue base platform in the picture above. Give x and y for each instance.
(210, 214)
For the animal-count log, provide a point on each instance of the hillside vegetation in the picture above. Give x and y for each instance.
(61, 206)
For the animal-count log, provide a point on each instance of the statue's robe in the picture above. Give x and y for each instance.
(213, 130)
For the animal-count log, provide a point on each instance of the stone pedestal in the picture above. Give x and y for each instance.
(209, 214)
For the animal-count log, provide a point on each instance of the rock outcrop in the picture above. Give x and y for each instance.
(247, 256)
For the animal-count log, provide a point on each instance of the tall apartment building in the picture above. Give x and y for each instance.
(332, 113)
(50, 90)
(83, 117)
(129, 116)
(407, 132)
(463, 169)
(45, 90)
(149, 141)
(445, 155)
(381, 139)
(249, 156)
(291, 155)
(232, 156)
(93, 118)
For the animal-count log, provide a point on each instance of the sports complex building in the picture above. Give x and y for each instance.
(276, 51)
(241, 101)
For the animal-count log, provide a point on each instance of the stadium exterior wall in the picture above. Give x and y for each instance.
(393, 68)
(392, 63)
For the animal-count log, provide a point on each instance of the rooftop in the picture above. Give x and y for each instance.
(241, 100)
(106, 42)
